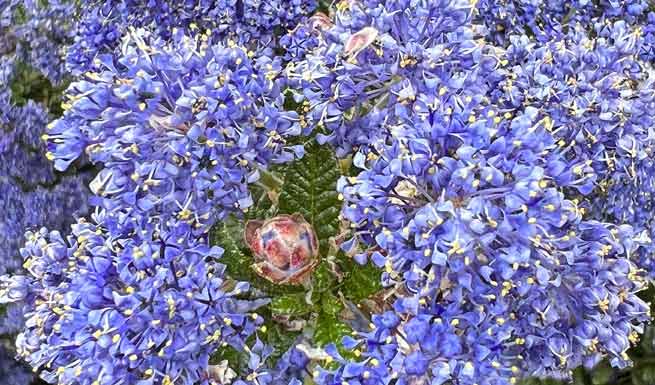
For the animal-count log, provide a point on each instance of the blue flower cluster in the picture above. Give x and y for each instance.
(31, 192)
(481, 163)
(487, 247)
(36, 32)
(543, 21)
(304, 38)
(379, 56)
(140, 309)
(40, 196)
(12, 371)
(599, 97)
(249, 23)
(179, 127)
(504, 183)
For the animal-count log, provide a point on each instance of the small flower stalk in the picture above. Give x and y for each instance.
(285, 248)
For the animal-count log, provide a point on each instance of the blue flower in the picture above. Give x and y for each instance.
(32, 193)
(416, 364)
(144, 307)
(504, 157)
(250, 23)
(35, 32)
(180, 128)
(376, 58)
(12, 371)
(464, 207)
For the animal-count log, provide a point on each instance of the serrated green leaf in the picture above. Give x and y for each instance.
(310, 189)
(262, 206)
(361, 281)
(329, 330)
(307, 186)
(279, 339)
(236, 360)
(293, 305)
(270, 180)
(322, 278)
(227, 235)
(331, 306)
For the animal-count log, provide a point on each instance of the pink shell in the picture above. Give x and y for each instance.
(285, 248)
(360, 40)
(320, 21)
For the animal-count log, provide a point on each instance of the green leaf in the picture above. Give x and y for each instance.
(28, 83)
(237, 360)
(291, 304)
(227, 235)
(331, 306)
(307, 186)
(278, 338)
(270, 180)
(310, 189)
(262, 206)
(329, 330)
(361, 281)
(322, 278)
